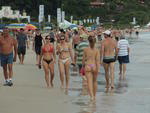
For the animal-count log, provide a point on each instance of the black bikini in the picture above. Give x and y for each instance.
(48, 61)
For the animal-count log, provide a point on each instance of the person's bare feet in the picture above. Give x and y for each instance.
(92, 98)
(48, 87)
(124, 78)
(52, 85)
(62, 86)
(106, 88)
(120, 76)
(112, 86)
(67, 87)
(66, 91)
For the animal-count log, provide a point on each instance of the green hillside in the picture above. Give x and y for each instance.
(122, 11)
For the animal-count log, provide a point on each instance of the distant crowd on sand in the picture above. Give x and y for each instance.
(87, 50)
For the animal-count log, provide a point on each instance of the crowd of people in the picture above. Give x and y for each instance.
(86, 50)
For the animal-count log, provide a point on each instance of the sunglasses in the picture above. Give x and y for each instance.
(47, 38)
(62, 39)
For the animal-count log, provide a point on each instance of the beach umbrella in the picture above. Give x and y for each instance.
(16, 25)
(30, 27)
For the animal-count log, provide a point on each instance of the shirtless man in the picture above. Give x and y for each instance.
(7, 44)
(76, 39)
(108, 53)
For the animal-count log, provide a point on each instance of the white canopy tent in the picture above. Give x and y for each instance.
(65, 24)
(148, 24)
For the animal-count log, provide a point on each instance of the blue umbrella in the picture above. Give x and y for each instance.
(16, 24)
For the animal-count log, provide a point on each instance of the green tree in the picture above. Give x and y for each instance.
(122, 11)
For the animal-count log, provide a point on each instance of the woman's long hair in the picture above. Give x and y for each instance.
(92, 41)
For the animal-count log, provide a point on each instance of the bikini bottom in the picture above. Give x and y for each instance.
(90, 67)
(48, 61)
(64, 60)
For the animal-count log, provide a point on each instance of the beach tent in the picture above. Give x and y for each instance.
(72, 26)
(75, 28)
(64, 25)
(136, 26)
(148, 25)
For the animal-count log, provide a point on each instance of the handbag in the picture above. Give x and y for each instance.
(82, 71)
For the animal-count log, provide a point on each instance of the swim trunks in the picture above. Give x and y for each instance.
(109, 59)
(6, 59)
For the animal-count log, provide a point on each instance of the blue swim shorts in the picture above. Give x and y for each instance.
(6, 59)
(123, 59)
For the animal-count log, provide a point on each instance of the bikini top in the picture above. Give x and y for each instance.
(64, 49)
(48, 49)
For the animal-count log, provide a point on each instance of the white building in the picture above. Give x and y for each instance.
(7, 12)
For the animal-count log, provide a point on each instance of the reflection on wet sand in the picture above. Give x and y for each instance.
(121, 87)
(108, 99)
(89, 108)
(102, 103)
(106, 102)
(83, 101)
(84, 90)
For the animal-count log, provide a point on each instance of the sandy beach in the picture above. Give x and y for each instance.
(30, 95)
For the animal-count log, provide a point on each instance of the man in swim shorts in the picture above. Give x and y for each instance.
(7, 43)
(108, 57)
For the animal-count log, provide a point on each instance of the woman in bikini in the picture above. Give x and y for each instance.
(91, 63)
(48, 56)
(64, 50)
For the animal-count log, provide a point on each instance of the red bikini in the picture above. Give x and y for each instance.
(48, 49)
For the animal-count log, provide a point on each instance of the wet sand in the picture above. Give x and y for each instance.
(29, 94)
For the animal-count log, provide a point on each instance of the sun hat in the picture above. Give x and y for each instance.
(107, 32)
